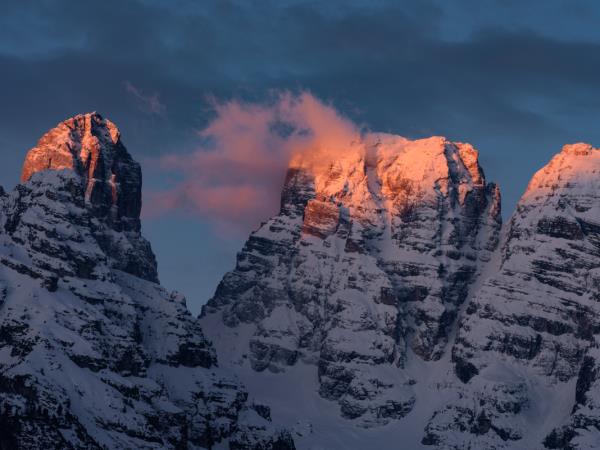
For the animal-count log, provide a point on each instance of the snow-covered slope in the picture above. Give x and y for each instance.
(368, 261)
(94, 354)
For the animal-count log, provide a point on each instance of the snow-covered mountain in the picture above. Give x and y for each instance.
(384, 307)
(381, 308)
(364, 269)
(527, 353)
(94, 354)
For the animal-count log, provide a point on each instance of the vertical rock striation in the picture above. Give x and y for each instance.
(90, 146)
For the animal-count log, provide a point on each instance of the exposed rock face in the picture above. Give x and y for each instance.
(91, 147)
(368, 261)
(527, 348)
(93, 353)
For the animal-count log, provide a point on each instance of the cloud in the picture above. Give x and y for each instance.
(234, 177)
(147, 103)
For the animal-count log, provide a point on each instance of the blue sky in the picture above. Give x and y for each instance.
(517, 79)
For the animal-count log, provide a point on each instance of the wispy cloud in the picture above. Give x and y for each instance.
(234, 178)
(148, 103)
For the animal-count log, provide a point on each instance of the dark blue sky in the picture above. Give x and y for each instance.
(517, 79)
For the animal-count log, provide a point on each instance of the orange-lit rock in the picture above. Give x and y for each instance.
(107, 181)
(321, 218)
(91, 146)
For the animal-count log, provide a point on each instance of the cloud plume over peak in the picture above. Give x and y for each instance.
(233, 179)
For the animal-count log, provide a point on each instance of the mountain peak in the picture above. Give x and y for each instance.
(84, 157)
(382, 167)
(578, 149)
(91, 146)
(367, 263)
(571, 172)
(94, 351)
(70, 143)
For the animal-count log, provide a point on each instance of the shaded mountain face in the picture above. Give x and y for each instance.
(94, 353)
(368, 262)
(527, 346)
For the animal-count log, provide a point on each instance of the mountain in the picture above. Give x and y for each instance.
(527, 346)
(386, 304)
(95, 354)
(365, 268)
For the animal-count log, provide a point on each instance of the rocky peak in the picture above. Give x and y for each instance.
(470, 158)
(384, 170)
(91, 146)
(368, 262)
(578, 149)
(536, 314)
(84, 158)
(95, 353)
(573, 170)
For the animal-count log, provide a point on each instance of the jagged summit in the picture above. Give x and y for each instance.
(85, 157)
(387, 170)
(435, 156)
(573, 170)
(71, 144)
(91, 146)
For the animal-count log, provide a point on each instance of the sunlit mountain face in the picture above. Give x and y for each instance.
(295, 225)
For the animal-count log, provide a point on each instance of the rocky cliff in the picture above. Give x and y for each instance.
(94, 353)
(90, 147)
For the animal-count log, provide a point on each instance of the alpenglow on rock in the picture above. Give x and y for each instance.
(91, 147)
(93, 353)
(366, 266)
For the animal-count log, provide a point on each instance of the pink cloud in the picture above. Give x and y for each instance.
(235, 176)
